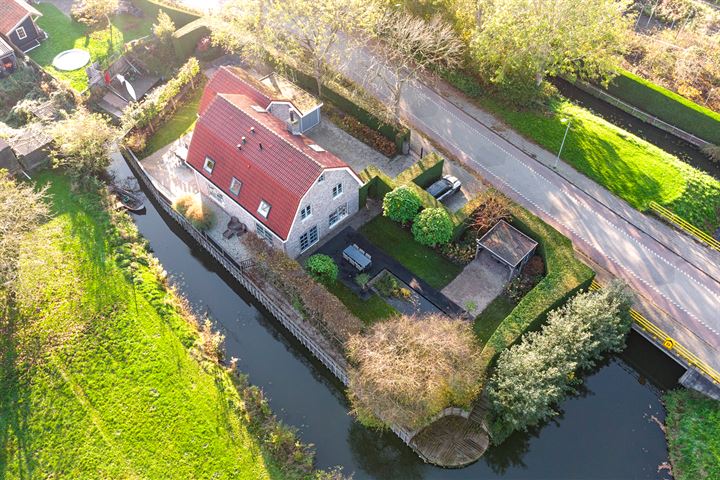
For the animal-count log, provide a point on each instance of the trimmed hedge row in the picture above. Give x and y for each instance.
(566, 275)
(396, 135)
(185, 39)
(179, 15)
(667, 106)
(424, 172)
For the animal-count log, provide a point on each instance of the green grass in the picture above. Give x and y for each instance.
(489, 319)
(628, 166)
(181, 122)
(65, 34)
(369, 311)
(693, 434)
(399, 243)
(99, 378)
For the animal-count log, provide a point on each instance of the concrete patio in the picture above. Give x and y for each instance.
(480, 282)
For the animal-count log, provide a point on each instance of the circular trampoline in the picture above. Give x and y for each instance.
(71, 59)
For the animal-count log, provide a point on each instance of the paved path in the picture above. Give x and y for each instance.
(678, 275)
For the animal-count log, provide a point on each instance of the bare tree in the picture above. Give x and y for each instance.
(409, 46)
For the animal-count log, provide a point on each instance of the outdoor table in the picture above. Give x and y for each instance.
(357, 257)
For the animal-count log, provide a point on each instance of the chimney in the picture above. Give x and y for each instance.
(244, 140)
(261, 146)
(252, 129)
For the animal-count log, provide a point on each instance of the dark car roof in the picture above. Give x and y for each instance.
(439, 187)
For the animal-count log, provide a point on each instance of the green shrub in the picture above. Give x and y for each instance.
(322, 268)
(667, 106)
(433, 226)
(362, 280)
(185, 39)
(192, 208)
(401, 204)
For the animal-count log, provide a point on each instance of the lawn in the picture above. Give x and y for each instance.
(101, 376)
(65, 34)
(180, 123)
(488, 321)
(399, 243)
(693, 434)
(628, 166)
(369, 311)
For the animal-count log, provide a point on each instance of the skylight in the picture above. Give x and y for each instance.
(316, 147)
(264, 209)
(259, 109)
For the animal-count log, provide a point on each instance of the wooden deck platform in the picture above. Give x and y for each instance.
(454, 441)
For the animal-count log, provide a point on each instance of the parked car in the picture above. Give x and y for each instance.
(444, 187)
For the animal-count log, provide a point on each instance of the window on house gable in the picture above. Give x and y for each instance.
(337, 215)
(264, 209)
(235, 185)
(21, 33)
(309, 238)
(209, 165)
(322, 178)
(337, 190)
(305, 212)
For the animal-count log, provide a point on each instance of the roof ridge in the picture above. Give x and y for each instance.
(231, 71)
(271, 130)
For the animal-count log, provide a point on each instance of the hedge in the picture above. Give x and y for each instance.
(179, 15)
(424, 172)
(392, 133)
(185, 39)
(667, 106)
(566, 275)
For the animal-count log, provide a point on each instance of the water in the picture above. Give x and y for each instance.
(680, 148)
(605, 432)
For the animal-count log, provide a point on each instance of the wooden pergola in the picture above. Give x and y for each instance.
(508, 245)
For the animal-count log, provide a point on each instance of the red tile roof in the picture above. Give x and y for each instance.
(12, 12)
(280, 173)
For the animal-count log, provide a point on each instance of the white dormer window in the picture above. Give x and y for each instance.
(21, 33)
(322, 178)
(264, 209)
(305, 212)
(337, 190)
(209, 165)
(259, 109)
(235, 185)
(316, 147)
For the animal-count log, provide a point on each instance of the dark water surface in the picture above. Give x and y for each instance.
(607, 431)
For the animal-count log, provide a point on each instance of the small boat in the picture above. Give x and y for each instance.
(127, 199)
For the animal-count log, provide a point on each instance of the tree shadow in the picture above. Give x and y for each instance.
(383, 455)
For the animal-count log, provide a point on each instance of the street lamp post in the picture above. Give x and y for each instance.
(567, 129)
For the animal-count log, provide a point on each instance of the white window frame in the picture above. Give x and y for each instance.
(337, 190)
(322, 178)
(305, 212)
(263, 232)
(216, 194)
(24, 33)
(336, 217)
(309, 238)
(209, 169)
(234, 182)
(264, 209)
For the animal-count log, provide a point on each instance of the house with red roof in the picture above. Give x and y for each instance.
(17, 24)
(250, 157)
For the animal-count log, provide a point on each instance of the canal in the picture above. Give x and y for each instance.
(609, 430)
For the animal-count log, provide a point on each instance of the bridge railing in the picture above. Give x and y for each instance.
(671, 345)
(684, 225)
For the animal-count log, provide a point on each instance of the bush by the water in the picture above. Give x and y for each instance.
(535, 375)
(322, 268)
(407, 369)
(401, 204)
(193, 208)
(433, 226)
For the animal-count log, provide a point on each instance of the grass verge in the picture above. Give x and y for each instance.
(369, 311)
(180, 123)
(103, 373)
(489, 319)
(628, 166)
(399, 243)
(65, 34)
(693, 435)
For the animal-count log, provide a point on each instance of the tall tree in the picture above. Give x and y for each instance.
(519, 42)
(408, 47)
(94, 13)
(82, 141)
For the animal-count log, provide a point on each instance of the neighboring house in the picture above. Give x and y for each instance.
(8, 61)
(17, 23)
(8, 161)
(246, 158)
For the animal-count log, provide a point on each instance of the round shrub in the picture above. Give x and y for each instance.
(432, 226)
(192, 208)
(322, 268)
(401, 204)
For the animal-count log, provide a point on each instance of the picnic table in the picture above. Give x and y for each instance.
(357, 257)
